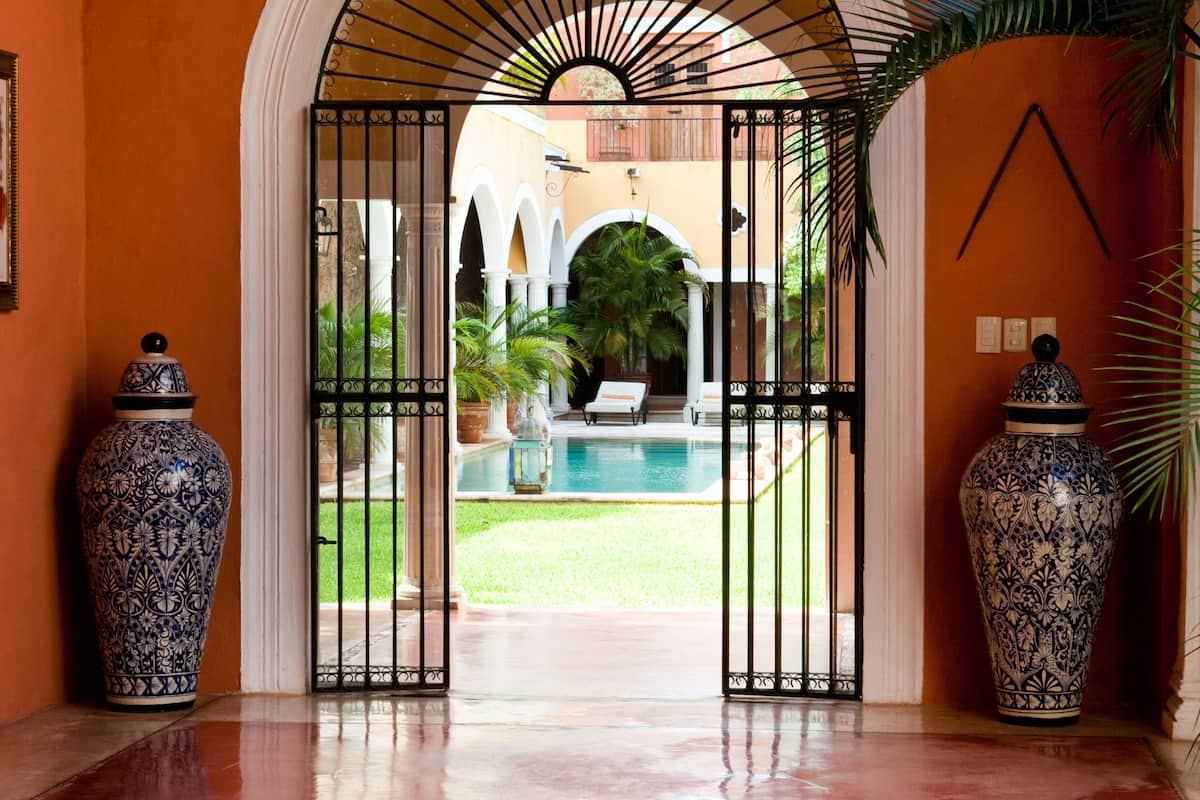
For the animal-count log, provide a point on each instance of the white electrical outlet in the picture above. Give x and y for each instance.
(1040, 325)
(987, 334)
(1016, 335)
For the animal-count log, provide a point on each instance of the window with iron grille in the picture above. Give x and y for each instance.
(662, 74)
(697, 73)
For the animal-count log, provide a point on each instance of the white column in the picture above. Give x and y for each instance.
(537, 302)
(518, 286)
(537, 292)
(718, 308)
(1179, 719)
(496, 284)
(771, 340)
(695, 347)
(426, 561)
(558, 392)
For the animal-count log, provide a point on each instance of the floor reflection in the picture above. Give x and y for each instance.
(480, 747)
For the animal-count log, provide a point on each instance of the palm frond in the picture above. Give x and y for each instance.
(1159, 442)
(894, 43)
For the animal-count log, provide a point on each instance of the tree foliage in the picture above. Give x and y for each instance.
(632, 300)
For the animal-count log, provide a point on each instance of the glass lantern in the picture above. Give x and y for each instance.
(529, 455)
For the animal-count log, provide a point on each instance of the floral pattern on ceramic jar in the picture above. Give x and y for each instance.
(154, 493)
(1041, 505)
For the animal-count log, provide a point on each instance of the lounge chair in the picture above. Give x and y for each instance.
(710, 400)
(617, 397)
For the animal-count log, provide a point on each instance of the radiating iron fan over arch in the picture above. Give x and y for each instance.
(514, 51)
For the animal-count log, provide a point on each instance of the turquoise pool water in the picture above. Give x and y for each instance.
(601, 466)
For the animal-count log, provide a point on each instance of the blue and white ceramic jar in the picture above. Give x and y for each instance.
(1041, 504)
(154, 494)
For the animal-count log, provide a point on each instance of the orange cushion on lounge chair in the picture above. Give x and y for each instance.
(615, 397)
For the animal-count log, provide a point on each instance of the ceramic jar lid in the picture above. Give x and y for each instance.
(1045, 391)
(154, 386)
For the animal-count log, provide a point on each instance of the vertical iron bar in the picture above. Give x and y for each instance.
(726, 351)
(395, 407)
(752, 375)
(447, 487)
(366, 422)
(339, 374)
(860, 388)
(776, 352)
(833, 331)
(423, 385)
(806, 280)
(314, 460)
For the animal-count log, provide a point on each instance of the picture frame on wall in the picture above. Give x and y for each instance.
(8, 181)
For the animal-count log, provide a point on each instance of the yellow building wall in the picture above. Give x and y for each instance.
(509, 155)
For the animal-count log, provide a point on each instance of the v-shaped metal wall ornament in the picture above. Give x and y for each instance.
(1035, 110)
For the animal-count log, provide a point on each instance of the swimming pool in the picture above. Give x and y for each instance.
(608, 466)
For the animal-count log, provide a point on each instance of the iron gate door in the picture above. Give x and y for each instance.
(379, 326)
(791, 347)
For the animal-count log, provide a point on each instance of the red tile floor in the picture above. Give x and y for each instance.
(569, 705)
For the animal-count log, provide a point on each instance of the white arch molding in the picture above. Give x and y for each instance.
(558, 246)
(635, 215)
(481, 188)
(283, 62)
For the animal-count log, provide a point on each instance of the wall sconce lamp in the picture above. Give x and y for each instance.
(559, 173)
(632, 173)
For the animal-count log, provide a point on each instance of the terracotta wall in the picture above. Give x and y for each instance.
(153, 202)
(163, 84)
(1034, 254)
(43, 627)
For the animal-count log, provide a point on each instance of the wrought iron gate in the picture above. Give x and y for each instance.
(791, 333)
(379, 327)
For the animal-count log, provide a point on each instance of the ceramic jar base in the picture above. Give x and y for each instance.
(1048, 719)
(150, 706)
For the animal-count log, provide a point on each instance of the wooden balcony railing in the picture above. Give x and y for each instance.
(668, 139)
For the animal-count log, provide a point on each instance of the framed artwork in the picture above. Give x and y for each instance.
(8, 181)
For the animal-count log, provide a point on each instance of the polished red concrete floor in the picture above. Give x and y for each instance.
(566, 652)
(215, 759)
(559, 705)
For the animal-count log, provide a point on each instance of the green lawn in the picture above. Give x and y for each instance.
(597, 554)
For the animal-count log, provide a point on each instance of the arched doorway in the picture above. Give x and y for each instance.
(357, 145)
(273, 628)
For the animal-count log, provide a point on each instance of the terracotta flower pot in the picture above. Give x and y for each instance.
(327, 455)
(472, 421)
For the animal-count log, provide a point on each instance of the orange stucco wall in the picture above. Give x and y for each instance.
(163, 84)
(144, 189)
(1033, 254)
(43, 624)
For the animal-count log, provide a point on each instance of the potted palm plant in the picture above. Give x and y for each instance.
(632, 302)
(480, 373)
(541, 346)
(365, 337)
(538, 347)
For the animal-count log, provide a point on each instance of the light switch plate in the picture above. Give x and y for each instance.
(1040, 325)
(987, 334)
(1016, 335)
